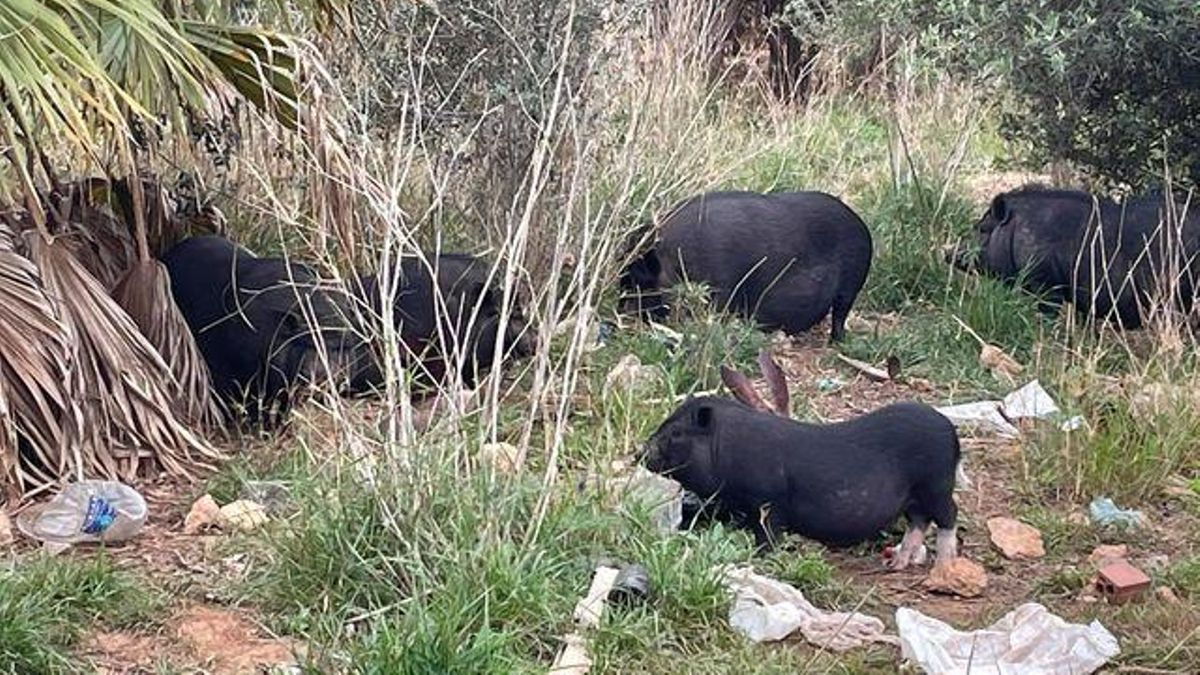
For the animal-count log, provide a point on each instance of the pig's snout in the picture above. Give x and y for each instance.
(525, 343)
(960, 255)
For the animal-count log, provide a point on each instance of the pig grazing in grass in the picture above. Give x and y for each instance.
(839, 484)
(456, 291)
(1111, 260)
(786, 259)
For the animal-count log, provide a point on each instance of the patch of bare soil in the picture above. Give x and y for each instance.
(198, 638)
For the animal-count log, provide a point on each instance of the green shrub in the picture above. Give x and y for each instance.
(1108, 86)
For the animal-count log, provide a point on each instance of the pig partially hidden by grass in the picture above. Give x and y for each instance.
(1114, 261)
(839, 484)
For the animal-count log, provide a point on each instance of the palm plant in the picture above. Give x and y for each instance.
(99, 375)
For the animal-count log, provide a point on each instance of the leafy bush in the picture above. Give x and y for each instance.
(1113, 87)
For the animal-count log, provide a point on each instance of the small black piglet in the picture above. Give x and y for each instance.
(839, 484)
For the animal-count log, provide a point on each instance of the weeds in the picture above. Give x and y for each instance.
(47, 605)
(1128, 454)
(407, 553)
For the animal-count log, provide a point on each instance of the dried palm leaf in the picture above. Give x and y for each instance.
(145, 293)
(106, 246)
(120, 383)
(35, 359)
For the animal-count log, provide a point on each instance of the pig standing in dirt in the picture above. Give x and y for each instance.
(786, 259)
(1111, 260)
(839, 484)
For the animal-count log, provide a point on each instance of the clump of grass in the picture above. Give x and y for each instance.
(802, 564)
(909, 224)
(1128, 454)
(1184, 576)
(699, 341)
(932, 344)
(1062, 538)
(47, 604)
(444, 574)
(1063, 582)
(910, 275)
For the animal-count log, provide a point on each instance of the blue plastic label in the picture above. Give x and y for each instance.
(100, 515)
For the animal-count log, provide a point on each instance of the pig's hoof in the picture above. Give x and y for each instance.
(920, 555)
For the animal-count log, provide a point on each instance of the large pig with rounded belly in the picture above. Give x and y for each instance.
(787, 259)
(1111, 260)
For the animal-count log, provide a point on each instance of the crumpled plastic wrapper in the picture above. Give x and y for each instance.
(1030, 401)
(996, 417)
(1027, 641)
(1106, 512)
(768, 610)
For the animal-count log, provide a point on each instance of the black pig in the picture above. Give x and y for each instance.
(839, 484)
(1108, 259)
(466, 290)
(254, 319)
(787, 259)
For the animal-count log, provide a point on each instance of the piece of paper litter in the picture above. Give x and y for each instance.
(573, 658)
(1027, 641)
(767, 610)
(980, 417)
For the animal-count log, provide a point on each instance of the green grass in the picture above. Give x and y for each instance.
(1126, 456)
(461, 580)
(1183, 577)
(48, 604)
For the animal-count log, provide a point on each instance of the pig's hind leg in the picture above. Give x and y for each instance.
(941, 509)
(929, 505)
(912, 547)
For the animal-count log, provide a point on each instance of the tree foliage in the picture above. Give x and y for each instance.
(1113, 87)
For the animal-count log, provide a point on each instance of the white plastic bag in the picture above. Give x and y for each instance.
(768, 610)
(1027, 641)
(980, 417)
(1030, 401)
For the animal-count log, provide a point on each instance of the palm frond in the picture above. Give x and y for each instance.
(35, 362)
(144, 292)
(120, 383)
(259, 64)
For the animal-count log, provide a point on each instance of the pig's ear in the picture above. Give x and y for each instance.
(1000, 210)
(704, 417)
(776, 381)
(742, 389)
